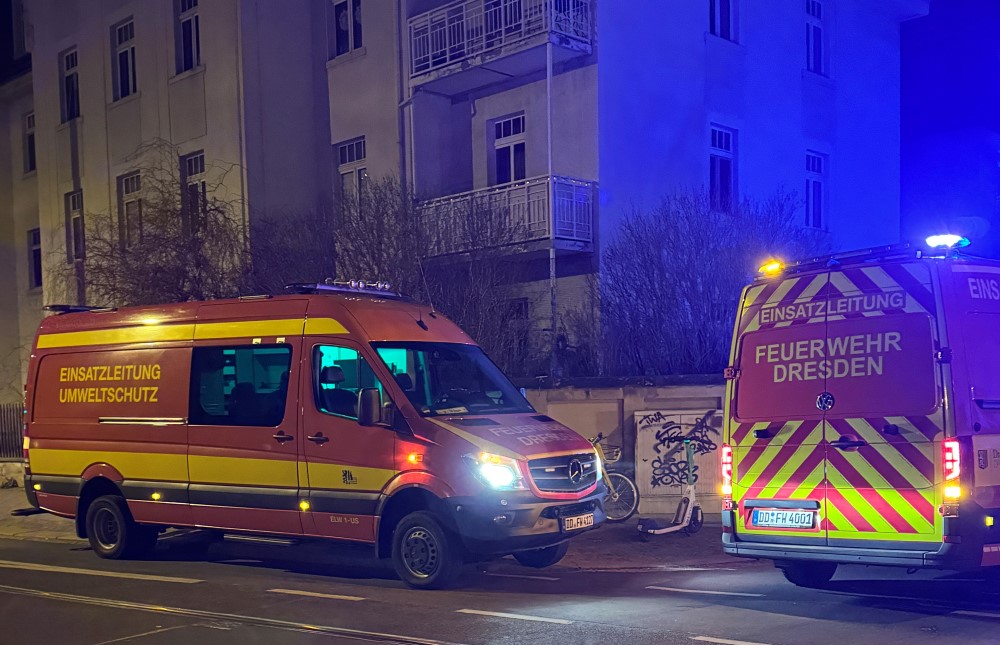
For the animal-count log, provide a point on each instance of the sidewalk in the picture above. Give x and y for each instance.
(612, 547)
(33, 527)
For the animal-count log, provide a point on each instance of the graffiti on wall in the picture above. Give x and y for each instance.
(669, 465)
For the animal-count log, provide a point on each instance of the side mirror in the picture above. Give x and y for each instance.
(369, 406)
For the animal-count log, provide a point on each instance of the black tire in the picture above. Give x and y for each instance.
(697, 521)
(628, 498)
(112, 532)
(425, 554)
(808, 574)
(541, 558)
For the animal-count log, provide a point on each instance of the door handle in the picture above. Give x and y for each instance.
(318, 438)
(281, 437)
(844, 443)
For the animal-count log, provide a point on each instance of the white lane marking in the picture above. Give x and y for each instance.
(723, 641)
(30, 566)
(656, 569)
(150, 633)
(515, 575)
(976, 614)
(707, 593)
(314, 594)
(218, 616)
(500, 614)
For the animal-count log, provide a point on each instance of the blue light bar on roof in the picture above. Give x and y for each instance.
(947, 241)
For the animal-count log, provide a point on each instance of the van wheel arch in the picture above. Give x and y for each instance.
(92, 489)
(399, 505)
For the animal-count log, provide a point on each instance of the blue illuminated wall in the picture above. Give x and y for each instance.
(951, 123)
(663, 79)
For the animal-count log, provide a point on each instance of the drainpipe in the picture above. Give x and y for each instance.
(553, 362)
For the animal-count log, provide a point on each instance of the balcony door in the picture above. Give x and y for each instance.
(509, 157)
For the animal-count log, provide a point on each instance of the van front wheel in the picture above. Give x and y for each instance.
(541, 558)
(112, 532)
(808, 574)
(424, 554)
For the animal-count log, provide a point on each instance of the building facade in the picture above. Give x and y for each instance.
(559, 114)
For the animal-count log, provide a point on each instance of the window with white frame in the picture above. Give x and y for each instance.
(187, 35)
(35, 258)
(816, 166)
(815, 38)
(343, 27)
(194, 198)
(130, 208)
(123, 39)
(722, 173)
(75, 249)
(509, 152)
(29, 143)
(70, 87)
(722, 18)
(351, 165)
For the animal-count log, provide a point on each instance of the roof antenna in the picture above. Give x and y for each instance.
(423, 276)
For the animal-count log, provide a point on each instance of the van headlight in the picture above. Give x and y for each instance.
(498, 473)
(598, 466)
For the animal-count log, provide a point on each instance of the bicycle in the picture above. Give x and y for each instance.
(622, 500)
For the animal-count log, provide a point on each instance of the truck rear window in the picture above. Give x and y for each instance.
(873, 366)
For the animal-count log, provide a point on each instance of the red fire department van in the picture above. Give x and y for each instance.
(862, 409)
(348, 413)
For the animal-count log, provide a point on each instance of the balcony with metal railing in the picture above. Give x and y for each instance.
(450, 45)
(532, 213)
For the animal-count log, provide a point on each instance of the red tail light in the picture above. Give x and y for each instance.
(952, 459)
(727, 470)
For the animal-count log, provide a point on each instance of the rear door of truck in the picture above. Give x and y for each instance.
(886, 415)
(775, 428)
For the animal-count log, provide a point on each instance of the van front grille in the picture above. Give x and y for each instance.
(564, 474)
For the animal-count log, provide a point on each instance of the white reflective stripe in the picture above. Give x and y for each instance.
(500, 614)
(971, 268)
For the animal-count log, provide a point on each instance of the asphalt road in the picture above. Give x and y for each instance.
(58, 593)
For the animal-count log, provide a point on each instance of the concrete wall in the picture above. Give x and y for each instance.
(641, 420)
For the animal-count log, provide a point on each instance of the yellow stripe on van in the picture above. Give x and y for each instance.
(478, 442)
(323, 326)
(332, 477)
(238, 471)
(248, 329)
(132, 465)
(117, 336)
(199, 331)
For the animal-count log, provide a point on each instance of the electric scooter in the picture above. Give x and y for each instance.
(688, 517)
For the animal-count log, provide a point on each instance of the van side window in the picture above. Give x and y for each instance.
(339, 374)
(239, 386)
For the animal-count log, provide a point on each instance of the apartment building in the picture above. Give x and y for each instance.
(567, 113)
(559, 114)
(234, 88)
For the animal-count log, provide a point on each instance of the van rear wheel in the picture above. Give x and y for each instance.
(808, 574)
(425, 554)
(112, 532)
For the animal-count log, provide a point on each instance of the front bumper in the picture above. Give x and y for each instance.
(502, 523)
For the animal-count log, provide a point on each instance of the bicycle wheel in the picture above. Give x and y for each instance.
(623, 498)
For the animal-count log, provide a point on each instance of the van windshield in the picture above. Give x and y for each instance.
(449, 378)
